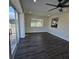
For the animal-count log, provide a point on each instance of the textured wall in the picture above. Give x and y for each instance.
(28, 27)
(63, 26)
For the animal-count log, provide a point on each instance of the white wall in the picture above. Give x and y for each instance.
(29, 29)
(22, 25)
(63, 26)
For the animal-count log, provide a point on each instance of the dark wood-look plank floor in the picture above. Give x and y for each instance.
(42, 46)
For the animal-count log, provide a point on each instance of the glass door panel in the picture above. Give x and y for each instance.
(12, 28)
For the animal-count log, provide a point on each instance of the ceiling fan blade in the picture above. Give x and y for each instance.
(52, 9)
(64, 6)
(51, 4)
(65, 1)
(59, 0)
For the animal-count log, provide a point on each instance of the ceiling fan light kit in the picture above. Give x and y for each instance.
(60, 10)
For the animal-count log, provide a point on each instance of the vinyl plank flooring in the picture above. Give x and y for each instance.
(42, 46)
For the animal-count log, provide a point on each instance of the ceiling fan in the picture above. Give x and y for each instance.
(61, 4)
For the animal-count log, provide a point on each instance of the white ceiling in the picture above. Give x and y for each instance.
(39, 8)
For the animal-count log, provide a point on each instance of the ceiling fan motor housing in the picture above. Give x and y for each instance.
(59, 5)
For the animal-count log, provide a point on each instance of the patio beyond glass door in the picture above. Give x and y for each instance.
(12, 28)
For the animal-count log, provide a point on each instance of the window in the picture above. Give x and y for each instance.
(37, 22)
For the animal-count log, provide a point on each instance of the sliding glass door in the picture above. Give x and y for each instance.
(13, 28)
